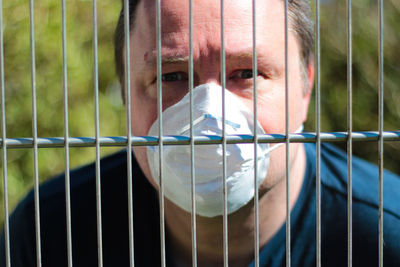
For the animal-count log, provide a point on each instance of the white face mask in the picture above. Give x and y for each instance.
(207, 120)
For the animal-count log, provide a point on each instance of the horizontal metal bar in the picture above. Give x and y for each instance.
(111, 141)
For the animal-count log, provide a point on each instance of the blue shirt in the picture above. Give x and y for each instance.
(146, 218)
(334, 215)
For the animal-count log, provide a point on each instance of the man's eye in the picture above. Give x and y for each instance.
(174, 77)
(244, 74)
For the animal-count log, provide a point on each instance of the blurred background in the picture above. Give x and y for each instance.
(112, 111)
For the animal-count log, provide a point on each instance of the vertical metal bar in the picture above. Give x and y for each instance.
(127, 89)
(224, 190)
(318, 131)
(380, 156)
(349, 138)
(192, 173)
(34, 134)
(66, 134)
(97, 135)
(4, 148)
(287, 139)
(256, 209)
(160, 133)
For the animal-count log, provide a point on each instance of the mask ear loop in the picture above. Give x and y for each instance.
(273, 147)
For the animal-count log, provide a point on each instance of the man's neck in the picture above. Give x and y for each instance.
(209, 231)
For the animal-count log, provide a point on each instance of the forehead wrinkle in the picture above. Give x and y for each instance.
(174, 60)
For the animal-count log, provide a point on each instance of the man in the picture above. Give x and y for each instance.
(272, 188)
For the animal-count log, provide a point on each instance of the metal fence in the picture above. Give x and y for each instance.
(35, 143)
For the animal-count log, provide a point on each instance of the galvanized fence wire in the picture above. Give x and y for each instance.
(121, 141)
(66, 133)
(4, 146)
(130, 141)
(128, 144)
(97, 135)
(256, 208)
(160, 132)
(34, 134)
(349, 139)
(287, 137)
(318, 130)
(224, 189)
(192, 169)
(380, 143)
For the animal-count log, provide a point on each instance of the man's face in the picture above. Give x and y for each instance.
(206, 57)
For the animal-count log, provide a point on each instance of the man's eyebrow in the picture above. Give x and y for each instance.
(242, 56)
(173, 60)
(151, 59)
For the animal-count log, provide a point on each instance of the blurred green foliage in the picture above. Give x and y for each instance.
(49, 86)
(112, 113)
(365, 28)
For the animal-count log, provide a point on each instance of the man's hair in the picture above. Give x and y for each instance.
(299, 12)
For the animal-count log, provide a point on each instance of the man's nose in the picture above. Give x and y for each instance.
(210, 75)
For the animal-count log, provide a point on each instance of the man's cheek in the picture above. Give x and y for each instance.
(143, 116)
(141, 157)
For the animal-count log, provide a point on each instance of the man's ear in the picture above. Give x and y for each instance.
(308, 88)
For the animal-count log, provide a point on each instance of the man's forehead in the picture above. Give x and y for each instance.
(176, 12)
(207, 18)
(170, 9)
(206, 31)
